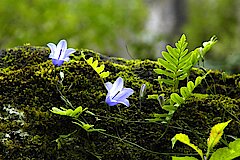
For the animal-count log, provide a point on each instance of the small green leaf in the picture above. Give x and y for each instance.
(90, 61)
(182, 77)
(183, 53)
(185, 92)
(57, 111)
(78, 111)
(180, 72)
(198, 81)
(94, 64)
(166, 73)
(190, 86)
(172, 52)
(153, 96)
(91, 113)
(201, 96)
(184, 139)
(167, 65)
(185, 66)
(176, 98)
(185, 59)
(104, 74)
(68, 112)
(216, 134)
(169, 108)
(170, 59)
(100, 69)
(166, 81)
(154, 120)
(227, 153)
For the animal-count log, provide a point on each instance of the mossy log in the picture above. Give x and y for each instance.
(28, 130)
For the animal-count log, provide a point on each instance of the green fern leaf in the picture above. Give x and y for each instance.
(94, 65)
(185, 92)
(160, 71)
(169, 108)
(99, 69)
(176, 62)
(169, 58)
(104, 74)
(166, 81)
(167, 65)
(90, 61)
(176, 98)
(190, 86)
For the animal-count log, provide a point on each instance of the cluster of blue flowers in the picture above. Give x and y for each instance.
(117, 94)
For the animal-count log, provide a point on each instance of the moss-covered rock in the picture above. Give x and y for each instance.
(28, 130)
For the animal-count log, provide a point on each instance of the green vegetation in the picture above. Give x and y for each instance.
(177, 64)
(94, 130)
(226, 153)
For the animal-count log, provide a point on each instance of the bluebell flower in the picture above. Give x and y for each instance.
(60, 53)
(116, 93)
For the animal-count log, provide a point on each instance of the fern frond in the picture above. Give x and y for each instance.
(94, 65)
(176, 62)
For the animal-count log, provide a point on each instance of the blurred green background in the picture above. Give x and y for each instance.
(126, 28)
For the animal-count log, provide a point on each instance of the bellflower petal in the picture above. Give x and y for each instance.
(125, 93)
(125, 102)
(61, 48)
(57, 62)
(69, 51)
(117, 87)
(116, 93)
(108, 86)
(52, 47)
(110, 101)
(60, 53)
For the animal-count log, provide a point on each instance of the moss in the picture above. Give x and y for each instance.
(28, 82)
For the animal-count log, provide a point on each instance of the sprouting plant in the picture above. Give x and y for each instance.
(226, 153)
(75, 115)
(142, 91)
(142, 94)
(200, 52)
(159, 98)
(178, 62)
(176, 66)
(175, 100)
(69, 112)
